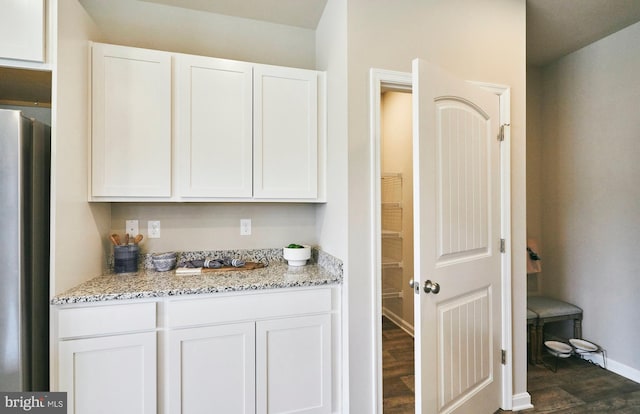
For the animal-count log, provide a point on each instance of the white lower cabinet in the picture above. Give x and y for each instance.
(112, 374)
(264, 353)
(211, 369)
(247, 353)
(107, 358)
(293, 365)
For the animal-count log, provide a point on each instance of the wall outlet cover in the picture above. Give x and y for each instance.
(153, 229)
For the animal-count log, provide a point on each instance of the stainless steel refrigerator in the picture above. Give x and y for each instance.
(25, 164)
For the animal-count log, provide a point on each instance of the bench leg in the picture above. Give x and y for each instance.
(533, 341)
(539, 341)
(577, 328)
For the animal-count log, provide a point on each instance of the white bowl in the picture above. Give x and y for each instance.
(583, 345)
(297, 257)
(163, 265)
(558, 349)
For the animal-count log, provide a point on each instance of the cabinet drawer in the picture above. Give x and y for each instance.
(104, 320)
(247, 306)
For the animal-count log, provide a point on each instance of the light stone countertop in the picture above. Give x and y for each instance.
(151, 284)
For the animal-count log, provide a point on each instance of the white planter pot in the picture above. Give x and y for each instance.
(297, 257)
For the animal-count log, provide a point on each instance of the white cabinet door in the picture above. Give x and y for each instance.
(214, 127)
(293, 365)
(113, 374)
(285, 133)
(22, 24)
(212, 369)
(131, 122)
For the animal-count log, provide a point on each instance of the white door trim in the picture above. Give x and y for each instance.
(504, 92)
(401, 81)
(378, 79)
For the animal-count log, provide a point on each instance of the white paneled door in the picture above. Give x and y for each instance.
(457, 239)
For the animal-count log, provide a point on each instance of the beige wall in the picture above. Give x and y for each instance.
(397, 157)
(77, 227)
(188, 226)
(480, 40)
(216, 226)
(590, 196)
(534, 165)
(81, 228)
(331, 218)
(331, 56)
(156, 26)
(352, 37)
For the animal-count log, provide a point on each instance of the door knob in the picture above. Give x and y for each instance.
(431, 287)
(415, 286)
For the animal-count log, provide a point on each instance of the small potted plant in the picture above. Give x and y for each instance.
(296, 254)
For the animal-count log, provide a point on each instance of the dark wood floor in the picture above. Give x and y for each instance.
(397, 369)
(577, 387)
(580, 387)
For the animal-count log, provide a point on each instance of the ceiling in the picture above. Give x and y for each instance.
(554, 28)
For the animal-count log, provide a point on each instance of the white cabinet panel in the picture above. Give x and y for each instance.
(212, 367)
(105, 320)
(246, 307)
(131, 122)
(293, 365)
(285, 133)
(22, 24)
(214, 118)
(114, 374)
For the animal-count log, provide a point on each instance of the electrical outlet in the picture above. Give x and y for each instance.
(131, 228)
(245, 227)
(153, 229)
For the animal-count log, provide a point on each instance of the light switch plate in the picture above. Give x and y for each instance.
(153, 229)
(131, 228)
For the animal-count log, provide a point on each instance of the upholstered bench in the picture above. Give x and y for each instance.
(532, 323)
(553, 310)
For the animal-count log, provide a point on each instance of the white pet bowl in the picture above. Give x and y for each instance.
(297, 257)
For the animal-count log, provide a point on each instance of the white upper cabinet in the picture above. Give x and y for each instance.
(177, 127)
(131, 122)
(214, 134)
(22, 30)
(285, 125)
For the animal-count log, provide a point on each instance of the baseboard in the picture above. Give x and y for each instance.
(614, 366)
(521, 402)
(398, 321)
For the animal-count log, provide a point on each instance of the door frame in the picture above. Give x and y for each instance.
(379, 79)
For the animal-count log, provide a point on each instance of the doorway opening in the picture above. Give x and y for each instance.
(383, 82)
(394, 241)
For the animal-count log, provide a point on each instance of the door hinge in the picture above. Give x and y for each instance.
(503, 355)
(501, 132)
(502, 246)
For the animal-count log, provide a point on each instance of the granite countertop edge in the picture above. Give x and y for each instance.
(66, 299)
(148, 284)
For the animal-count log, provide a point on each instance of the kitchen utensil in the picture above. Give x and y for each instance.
(126, 238)
(116, 238)
(137, 239)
